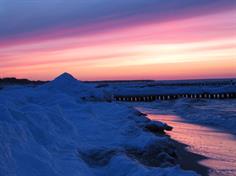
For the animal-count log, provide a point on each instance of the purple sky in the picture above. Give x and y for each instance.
(118, 39)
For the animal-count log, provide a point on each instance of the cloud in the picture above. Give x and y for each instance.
(27, 17)
(117, 39)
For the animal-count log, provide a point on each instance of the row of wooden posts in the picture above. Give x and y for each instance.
(176, 96)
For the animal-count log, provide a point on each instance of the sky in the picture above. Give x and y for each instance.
(118, 40)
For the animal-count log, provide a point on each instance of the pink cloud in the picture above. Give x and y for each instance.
(143, 44)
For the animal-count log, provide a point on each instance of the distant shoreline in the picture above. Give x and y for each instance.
(212, 81)
(15, 81)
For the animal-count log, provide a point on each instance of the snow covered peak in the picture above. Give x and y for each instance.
(65, 77)
(64, 80)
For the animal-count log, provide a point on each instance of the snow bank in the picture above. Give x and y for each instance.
(216, 113)
(127, 166)
(53, 130)
(171, 87)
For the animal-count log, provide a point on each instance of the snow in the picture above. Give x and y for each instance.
(64, 80)
(210, 112)
(63, 128)
(219, 114)
(172, 87)
(126, 166)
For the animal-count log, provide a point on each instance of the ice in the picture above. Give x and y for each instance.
(172, 87)
(63, 128)
(219, 114)
(130, 167)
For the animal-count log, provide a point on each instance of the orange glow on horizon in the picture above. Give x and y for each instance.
(198, 47)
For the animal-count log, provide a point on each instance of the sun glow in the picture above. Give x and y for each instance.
(191, 45)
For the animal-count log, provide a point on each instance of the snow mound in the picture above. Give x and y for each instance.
(58, 129)
(64, 79)
(65, 83)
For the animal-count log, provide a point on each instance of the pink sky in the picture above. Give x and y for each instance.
(202, 46)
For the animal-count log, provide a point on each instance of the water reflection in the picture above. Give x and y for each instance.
(216, 145)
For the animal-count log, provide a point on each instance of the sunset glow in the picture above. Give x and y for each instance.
(199, 43)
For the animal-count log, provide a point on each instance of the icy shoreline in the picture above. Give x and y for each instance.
(219, 114)
(215, 145)
(62, 128)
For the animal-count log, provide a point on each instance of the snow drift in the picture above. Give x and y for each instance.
(53, 130)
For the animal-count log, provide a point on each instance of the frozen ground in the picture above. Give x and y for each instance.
(211, 112)
(171, 87)
(63, 128)
(214, 138)
(217, 146)
(220, 114)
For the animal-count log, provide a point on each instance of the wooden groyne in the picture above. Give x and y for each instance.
(149, 98)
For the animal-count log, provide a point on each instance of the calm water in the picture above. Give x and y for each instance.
(216, 145)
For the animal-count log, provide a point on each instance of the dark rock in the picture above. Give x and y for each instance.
(155, 129)
(168, 128)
